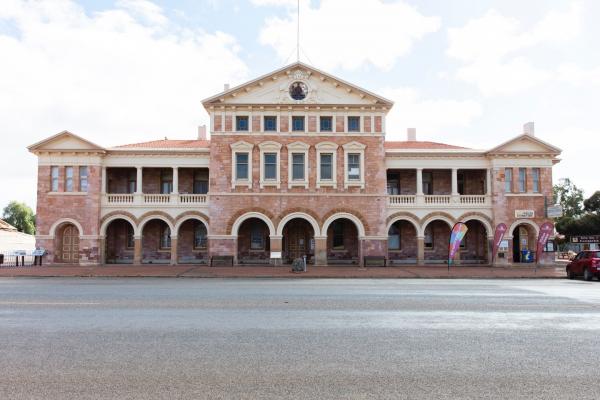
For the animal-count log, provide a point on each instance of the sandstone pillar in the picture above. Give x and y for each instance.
(276, 243)
(320, 250)
(420, 250)
(174, 250)
(137, 250)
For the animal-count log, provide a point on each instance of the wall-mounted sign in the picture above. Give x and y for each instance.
(585, 239)
(555, 211)
(503, 246)
(524, 213)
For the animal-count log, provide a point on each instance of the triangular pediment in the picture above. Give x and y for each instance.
(525, 144)
(320, 88)
(65, 141)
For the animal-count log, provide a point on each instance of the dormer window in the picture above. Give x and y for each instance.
(353, 124)
(241, 123)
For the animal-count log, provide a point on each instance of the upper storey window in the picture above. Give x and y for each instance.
(298, 90)
(83, 179)
(535, 173)
(326, 124)
(69, 179)
(241, 166)
(353, 124)
(241, 123)
(508, 180)
(270, 123)
(54, 178)
(298, 124)
(522, 180)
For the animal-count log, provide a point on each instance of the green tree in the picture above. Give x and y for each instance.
(569, 196)
(21, 216)
(593, 203)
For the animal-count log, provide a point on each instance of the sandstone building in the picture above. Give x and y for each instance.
(297, 164)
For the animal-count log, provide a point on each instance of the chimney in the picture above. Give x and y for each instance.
(202, 132)
(411, 134)
(529, 129)
(226, 87)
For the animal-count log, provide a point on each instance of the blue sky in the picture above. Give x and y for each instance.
(464, 72)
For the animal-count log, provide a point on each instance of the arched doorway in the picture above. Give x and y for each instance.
(524, 239)
(192, 242)
(67, 244)
(342, 242)
(119, 242)
(298, 240)
(253, 242)
(436, 239)
(156, 242)
(402, 243)
(474, 248)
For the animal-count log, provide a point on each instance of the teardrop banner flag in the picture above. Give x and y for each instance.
(546, 231)
(498, 236)
(458, 233)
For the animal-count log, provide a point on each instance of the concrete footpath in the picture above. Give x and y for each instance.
(268, 271)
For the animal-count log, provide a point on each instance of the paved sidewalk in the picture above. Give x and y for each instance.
(267, 271)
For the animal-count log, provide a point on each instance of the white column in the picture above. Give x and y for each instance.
(454, 182)
(103, 183)
(175, 180)
(139, 182)
(488, 181)
(419, 181)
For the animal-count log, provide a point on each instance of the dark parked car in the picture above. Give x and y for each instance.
(586, 264)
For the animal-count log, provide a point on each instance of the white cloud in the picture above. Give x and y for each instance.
(340, 33)
(108, 76)
(491, 48)
(144, 9)
(430, 116)
(576, 75)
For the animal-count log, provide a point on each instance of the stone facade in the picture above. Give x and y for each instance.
(275, 212)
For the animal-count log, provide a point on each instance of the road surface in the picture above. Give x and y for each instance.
(300, 339)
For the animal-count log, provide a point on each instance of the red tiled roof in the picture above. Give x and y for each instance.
(415, 145)
(167, 144)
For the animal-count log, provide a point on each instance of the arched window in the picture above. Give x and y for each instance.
(199, 236)
(394, 237)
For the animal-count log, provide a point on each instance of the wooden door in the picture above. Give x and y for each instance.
(70, 245)
(296, 242)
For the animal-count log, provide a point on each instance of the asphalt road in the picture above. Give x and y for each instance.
(301, 339)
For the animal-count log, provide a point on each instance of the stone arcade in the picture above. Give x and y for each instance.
(297, 164)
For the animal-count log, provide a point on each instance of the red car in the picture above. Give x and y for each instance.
(586, 264)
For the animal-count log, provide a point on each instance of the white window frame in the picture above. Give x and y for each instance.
(297, 148)
(354, 148)
(270, 147)
(241, 147)
(327, 147)
(248, 118)
(360, 128)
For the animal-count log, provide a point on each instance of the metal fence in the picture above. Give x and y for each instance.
(19, 259)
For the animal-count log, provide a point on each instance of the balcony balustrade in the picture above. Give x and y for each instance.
(149, 200)
(432, 201)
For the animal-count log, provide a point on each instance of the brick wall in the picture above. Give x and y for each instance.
(151, 250)
(84, 208)
(441, 238)
(116, 242)
(185, 244)
(408, 242)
